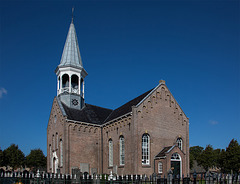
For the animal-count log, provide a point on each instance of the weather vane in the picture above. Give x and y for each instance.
(72, 13)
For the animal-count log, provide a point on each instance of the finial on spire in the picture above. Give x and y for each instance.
(72, 13)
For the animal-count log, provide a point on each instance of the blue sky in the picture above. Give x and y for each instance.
(126, 48)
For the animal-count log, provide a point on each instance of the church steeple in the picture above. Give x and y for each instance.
(71, 54)
(70, 73)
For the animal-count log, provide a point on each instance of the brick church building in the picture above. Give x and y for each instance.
(149, 134)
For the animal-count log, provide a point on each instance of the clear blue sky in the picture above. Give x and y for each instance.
(126, 48)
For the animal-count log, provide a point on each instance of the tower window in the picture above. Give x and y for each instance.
(74, 83)
(145, 149)
(65, 81)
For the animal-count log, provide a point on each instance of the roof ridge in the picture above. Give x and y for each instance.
(131, 103)
(98, 106)
(135, 98)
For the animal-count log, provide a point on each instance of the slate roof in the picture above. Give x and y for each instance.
(89, 114)
(98, 115)
(127, 107)
(163, 152)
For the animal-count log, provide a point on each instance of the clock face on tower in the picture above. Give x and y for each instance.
(75, 102)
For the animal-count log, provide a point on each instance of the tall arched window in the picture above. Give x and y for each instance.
(179, 142)
(53, 142)
(121, 150)
(50, 155)
(57, 140)
(61, 153)
(110, 154)
(160, 168)
(145, 149)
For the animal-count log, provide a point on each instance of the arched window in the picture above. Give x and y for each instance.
(61, 153)
(110, 154)
(175, 157)
(145, 149)
(121, 150)
(53, 142)
(179, 142)
(55, 118)
(50, 155)
(74, 81)
(57, 140)
(160, 168)
(65, 81)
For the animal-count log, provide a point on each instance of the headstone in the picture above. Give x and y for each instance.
(58, 171)
(115, 169)
(170, 176)
(84, 167)
(93, 171)
(76, 173)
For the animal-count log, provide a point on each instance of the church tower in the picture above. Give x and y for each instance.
(70, 73)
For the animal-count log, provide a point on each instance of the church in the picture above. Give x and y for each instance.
(149, 134)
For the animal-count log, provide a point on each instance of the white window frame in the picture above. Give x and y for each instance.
(110, 153)
(160, 167)
(122, 150)
(145, 149)
(180, 143)
(175, 157)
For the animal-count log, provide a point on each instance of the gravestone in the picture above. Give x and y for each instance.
(84, 167)
(115, 169)
(93, 171)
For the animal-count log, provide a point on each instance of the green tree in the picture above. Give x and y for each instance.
(36, 159)
(206, 159)
(13, 156)
(217, 157)
(231, 160)
(194, 151)
(1, 158)
(221, 161)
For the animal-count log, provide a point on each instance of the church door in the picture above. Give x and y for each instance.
(176, 164)
(176, 167)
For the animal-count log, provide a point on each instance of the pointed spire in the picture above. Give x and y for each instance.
(71, 54)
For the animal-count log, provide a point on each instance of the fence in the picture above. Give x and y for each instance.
(26, 178)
